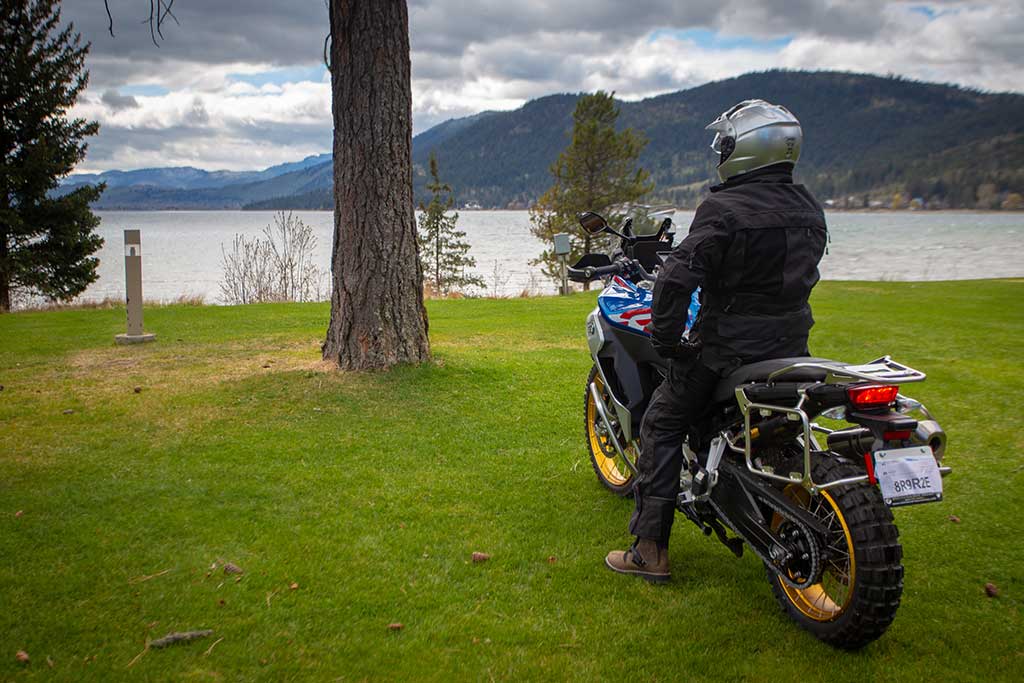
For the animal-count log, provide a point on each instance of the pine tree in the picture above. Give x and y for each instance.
(46, 242)
(443, 249)
(597, 172)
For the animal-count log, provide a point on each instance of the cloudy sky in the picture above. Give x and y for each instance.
(240, 83)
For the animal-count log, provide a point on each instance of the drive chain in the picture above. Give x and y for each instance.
(815, 559)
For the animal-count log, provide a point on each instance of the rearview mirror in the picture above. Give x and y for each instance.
(591, 222)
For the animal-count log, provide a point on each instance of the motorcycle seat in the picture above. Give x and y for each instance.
(758, 372)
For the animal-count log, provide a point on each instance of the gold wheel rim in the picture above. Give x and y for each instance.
(609, 465)
(829, 598)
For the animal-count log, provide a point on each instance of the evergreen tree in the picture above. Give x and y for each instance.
(443, 250)
(46, 242)
(597, 172)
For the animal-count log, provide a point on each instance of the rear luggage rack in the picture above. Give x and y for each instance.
(883, 370)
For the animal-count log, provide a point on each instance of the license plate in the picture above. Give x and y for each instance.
(908, 476)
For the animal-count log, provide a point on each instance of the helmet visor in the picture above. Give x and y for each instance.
(716, 144)
(723, 128)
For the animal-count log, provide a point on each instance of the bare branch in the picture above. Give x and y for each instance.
(169, 13)
(110, 18)
(159, 19)
(330, 35)
(152, 23)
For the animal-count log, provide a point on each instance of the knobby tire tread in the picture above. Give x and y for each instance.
(878, 584)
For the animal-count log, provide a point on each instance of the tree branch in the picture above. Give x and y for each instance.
(152, 34)
(330, 35)
(159, 10)
(110, 18)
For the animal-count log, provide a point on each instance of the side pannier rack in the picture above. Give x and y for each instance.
(880, 371)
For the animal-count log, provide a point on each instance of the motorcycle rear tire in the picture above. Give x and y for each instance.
(870, 604)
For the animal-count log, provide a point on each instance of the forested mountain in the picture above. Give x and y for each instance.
(187, 177)
(863, 135)
(867, 140)
(314, 178)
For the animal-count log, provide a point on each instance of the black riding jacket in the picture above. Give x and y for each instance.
(754, 248)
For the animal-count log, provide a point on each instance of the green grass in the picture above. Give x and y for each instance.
(371, 491)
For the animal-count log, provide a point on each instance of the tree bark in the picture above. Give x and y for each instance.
(5, 278)
(377, 314)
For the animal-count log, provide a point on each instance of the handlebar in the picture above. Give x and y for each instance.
(592, 273)
(624, 266)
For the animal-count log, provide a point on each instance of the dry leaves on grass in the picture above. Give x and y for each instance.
(991, 590)
(21, 656)
(954, 519)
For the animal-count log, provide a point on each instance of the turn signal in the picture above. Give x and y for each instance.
(872, 395)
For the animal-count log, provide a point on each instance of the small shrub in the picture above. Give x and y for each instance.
(278, 266)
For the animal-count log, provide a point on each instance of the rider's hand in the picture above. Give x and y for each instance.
(680, 351)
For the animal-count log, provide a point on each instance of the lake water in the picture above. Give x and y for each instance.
(182, 249)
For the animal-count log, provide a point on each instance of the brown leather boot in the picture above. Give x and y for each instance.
(644, 559)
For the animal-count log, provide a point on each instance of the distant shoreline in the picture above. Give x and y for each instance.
(683, 210)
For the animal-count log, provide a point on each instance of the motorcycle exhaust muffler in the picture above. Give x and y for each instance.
(856, 441)
(851, 443)
(929, 433)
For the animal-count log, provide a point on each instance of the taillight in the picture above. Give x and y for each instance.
(872, 395)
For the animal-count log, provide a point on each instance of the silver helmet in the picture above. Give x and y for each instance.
(755, 134)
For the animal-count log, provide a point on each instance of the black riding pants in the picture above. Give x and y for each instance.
(677, 403)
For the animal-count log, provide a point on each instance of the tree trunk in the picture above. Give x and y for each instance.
(377, 313)
(5, 278)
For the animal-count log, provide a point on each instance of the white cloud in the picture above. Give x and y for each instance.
(494, 54)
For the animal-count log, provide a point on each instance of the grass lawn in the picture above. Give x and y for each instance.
(355, 501)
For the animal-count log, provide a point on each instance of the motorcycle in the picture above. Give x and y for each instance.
(762, 470)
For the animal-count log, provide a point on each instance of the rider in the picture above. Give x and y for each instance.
(753, 248)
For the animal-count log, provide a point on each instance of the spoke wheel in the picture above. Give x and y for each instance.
(610, 467)
(825, 600)
(857, 593)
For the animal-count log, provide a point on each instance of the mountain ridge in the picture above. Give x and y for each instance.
(866, 137)
(189, 177)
